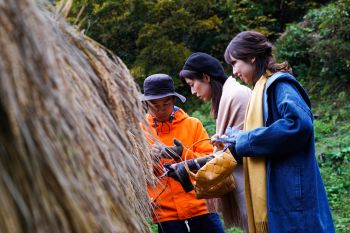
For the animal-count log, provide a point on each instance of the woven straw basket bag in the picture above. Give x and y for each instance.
(215, 178)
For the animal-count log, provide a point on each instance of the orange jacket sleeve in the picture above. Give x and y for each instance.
(199, 149)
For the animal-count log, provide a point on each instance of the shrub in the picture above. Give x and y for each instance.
(319, 49)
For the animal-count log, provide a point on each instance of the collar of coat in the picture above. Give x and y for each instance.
(282, 77)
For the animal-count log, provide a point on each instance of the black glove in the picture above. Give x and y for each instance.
(179, 173)
(203, 160)
(173, 152)
(195, 164)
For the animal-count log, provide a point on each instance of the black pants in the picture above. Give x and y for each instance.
(207, 223)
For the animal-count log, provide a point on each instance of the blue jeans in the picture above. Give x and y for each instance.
(207, 223)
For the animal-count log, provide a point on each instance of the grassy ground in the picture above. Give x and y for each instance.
(332, 131)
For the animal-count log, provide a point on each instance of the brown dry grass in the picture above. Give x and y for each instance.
(72, 158)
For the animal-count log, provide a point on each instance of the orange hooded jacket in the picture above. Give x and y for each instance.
(168, 198)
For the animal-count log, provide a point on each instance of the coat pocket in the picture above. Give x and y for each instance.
(285, 189)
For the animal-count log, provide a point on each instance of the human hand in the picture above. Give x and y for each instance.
(216, 140)
(214, 137)
(173, 152)
(232, 133)
(156, 149)
(178, 172)
(228, 138)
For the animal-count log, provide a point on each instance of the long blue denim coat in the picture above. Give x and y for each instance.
(296, 197)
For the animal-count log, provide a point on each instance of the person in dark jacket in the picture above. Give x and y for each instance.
(284, 188)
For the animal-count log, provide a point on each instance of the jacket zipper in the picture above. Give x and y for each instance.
(188, 227)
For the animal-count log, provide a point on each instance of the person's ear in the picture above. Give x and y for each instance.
(252, 60)
(206, 78)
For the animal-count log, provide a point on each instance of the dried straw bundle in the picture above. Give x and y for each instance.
(71, 152)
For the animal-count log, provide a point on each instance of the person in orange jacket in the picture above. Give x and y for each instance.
(175, 210)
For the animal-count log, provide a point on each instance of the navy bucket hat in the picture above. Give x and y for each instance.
(204, 63)
(159, 86)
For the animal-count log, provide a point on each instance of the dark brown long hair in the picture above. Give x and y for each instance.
(248, 45)
(216, 88)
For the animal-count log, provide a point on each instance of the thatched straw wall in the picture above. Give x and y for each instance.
(71, 152)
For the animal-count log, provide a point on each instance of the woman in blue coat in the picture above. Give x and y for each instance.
(285, 192)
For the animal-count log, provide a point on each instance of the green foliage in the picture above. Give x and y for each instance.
(332, 132)
(234, 230)
(157, 36)
(152, 58)
(319, 49)
(154, 227)
(202, 113)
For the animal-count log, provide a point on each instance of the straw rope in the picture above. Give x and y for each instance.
(192, 174)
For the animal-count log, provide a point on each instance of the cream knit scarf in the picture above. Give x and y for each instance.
(255, 168)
